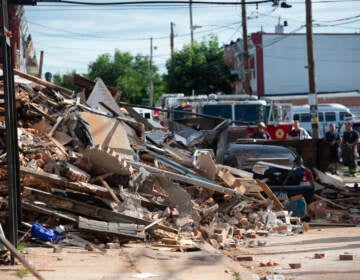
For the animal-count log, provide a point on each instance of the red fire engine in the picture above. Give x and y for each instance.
(245, 111)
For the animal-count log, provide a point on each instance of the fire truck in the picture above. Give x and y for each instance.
(244, 111)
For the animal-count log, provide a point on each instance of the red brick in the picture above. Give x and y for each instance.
(319, 255)
(346, 257)
(245, 258)
(295, 265)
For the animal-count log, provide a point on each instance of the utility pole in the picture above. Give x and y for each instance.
(246, 83)
(172, 39)
(151, 86)
(311, 71)
(191, 23)
(41, 63)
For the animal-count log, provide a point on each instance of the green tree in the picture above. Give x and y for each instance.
(65, 80)
(199, 66)
(128, 73)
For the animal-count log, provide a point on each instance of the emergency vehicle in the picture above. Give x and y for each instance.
(245, 111)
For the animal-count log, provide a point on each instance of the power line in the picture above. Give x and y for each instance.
(174, 2)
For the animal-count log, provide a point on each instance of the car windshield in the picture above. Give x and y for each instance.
(248, 154)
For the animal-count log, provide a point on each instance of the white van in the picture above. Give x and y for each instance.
(327, 113)
(145, 113)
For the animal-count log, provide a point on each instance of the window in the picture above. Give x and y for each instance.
(296, 117)
(218, 110)
(330, 117)
(305, 117)
(344, 115)
(249, 113)
(321, 117)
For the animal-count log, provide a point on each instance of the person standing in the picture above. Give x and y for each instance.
(334, 140)
(348, 147)
(297, 132)
(260, 133)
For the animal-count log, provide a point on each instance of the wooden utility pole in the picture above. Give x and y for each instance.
(41, 63)
(191, 23)
(246, 83)
(172, 39)
(311, 71)
(151, 85)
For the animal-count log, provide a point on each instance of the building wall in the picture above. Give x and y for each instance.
(234, 58)
(284, 63)
(23, 50)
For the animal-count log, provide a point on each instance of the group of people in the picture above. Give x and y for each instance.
(296, 133)
(347, 143)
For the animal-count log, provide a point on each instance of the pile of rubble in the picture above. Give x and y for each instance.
(108, 176)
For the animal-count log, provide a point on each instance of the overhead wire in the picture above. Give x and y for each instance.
(173, 2)
(172, 5)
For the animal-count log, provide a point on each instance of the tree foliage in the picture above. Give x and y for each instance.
(128, 73)
(63, 81)
(198, 67)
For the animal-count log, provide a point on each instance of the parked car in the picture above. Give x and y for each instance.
(281, 168)
(244, 156)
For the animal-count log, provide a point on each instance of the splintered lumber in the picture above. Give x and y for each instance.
(270, 194)
(44, 210)
(331, 180)
(111, 191)
(139, 118)
(63, 183)
(131, 230)
(78, 207)
(16, 253)
(231, 181)
(178, 155)
(88, 84)
(42, 82)
(330, 202)
(193, 181)
(85, 209)
(236, 171)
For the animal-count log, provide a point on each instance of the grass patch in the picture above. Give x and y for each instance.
(21, 247)
(237, 276)
(22, 273)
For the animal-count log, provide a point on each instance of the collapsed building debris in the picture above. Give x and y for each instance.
(109, 176)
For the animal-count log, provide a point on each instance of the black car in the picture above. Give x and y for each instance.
(281, 168)
(244, 156)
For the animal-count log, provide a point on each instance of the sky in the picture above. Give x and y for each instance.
(73, 36)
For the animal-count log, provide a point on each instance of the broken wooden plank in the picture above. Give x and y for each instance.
(193, 181)
(63, 183)
(327, 179)
(42, 82)
(50, 212)
(111, 191)
(130, 230)
(89, 84)
(154, 223)
(85, 209)
(237, 172)
(330, 202)
(78, 207)
(270, 194)
(139, 118)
